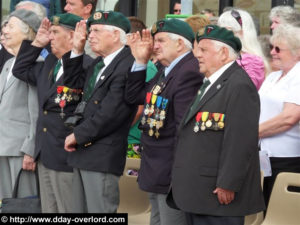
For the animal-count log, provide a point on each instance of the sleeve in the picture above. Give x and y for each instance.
(29, 143)
(240, 136)
(254, 66)
(24, 68)
(293, 95)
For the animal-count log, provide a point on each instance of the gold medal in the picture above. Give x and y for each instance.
(221, 124)
(208, 123)
(156, 134)
(162, 115)
(203, 126)
(151, 132)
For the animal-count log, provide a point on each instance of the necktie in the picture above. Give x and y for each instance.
(56, 69)
(198, 98)
(92, 81)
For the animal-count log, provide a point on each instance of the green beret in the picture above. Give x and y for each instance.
(112, 18)
(175, 26)
(67, 20)
(221, 34)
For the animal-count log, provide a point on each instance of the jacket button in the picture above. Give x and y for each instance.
(45, 112)
(96, 102)
(45, 129)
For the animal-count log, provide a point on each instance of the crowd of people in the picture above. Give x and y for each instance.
(201, 104)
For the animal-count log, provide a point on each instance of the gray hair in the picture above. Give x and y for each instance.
(37, 8)
(123, 37)
(286, 14)
(288, 34)
(232, 53)
(175, 37)
(26, 30)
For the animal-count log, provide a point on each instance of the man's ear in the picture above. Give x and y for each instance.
(88, 9)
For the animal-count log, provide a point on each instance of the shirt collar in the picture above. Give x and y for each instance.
(108, 59)
(218, 73)
(174, 63)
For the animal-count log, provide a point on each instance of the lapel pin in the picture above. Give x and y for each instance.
(218, 86)
(102, 77)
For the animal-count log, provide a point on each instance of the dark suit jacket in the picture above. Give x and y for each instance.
(182, 83)
(4, 56)
(225, 158)
(51, 132)
(102, 133)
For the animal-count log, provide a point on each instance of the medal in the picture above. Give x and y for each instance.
(216, 117)
(163, 111)
(221, 123)
(204, 118)
(148, 97)
(156, 134)
(143, 121)
(153, 100)
(209, 122)
(151, 132)
(198, 117)
(156, 89)
(62, 104)
(158, 104)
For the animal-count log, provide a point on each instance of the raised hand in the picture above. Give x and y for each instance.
(42, 36)
(141, 47)
(79, 38)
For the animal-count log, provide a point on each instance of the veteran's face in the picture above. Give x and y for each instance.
(61, 40)
(13, 34)
(210, 59)
(101, 40)
(165, 49)
(282, 56)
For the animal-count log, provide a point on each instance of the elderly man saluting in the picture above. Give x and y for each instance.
(216, 175)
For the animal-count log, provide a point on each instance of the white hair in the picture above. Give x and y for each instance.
(186, 42)
(285, 13)
(37, 8)
(26, 30)
(123, 37)
(288, 34)
(245, 32)
(232, 53)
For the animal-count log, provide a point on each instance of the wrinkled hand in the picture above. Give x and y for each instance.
(42, 36)
(224, 196)
(79, 38)
(28, 163)
(141, 47)
(70, 143)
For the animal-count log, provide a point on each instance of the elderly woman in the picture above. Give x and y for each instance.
(280, 106)
(18, 110)
(283, 14)
(252, 58)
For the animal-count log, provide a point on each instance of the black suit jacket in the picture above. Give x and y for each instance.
(181, 84)
(51, 132)
(225, 158)
(102, 133)
(4, 56)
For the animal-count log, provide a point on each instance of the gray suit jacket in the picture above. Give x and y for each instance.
(18, 113)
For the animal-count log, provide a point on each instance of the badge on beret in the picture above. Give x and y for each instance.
(161, 24)
(97, 16)
(154, 28)
(56, 20)
(209, 29)
(106, 15)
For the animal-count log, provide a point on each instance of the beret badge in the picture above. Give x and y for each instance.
(56, 20)
(97, 16)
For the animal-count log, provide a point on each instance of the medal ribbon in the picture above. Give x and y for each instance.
(148, 97)
(164, 103)
(198, 116)
(59, 89)
(216, 116)
(222, 117)
(204, 116)
(153, 99)
(158, 101)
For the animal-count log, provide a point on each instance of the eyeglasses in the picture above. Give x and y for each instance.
(177, 10)
(236, 15)
(277, 49)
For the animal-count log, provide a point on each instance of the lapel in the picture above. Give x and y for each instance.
(111, 68)
(4, 85)
(212, 91)
(49, 86)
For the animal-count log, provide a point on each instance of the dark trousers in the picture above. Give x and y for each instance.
(195, 219)
(279, 165)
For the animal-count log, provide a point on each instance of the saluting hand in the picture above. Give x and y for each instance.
(79, 38)
(141, 47)
(70, 143)
(42, 36)
(224, 196)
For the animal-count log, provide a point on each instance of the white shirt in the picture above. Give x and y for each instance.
(10, 70)
(215, 76)
(107, 60)
(273, 94)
